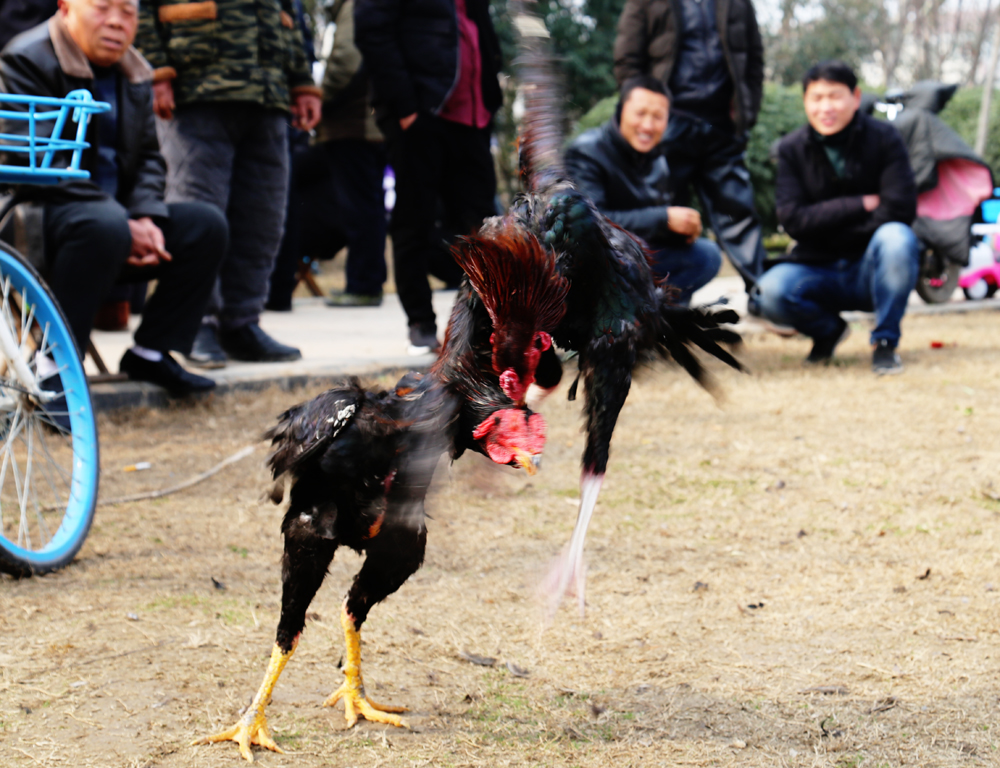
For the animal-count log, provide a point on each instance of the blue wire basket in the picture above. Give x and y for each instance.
(78, 106)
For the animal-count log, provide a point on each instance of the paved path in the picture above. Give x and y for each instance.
(368, 340)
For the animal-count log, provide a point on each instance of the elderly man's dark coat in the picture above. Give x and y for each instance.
(45, 61)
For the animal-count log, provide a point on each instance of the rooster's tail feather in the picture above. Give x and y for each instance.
(684, 329)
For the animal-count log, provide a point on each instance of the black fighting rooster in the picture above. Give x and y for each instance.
(617, 315)
(361, 461)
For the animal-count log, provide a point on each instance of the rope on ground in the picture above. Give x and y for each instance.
(238, 456)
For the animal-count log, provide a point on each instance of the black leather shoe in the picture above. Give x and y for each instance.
(206, 352)
(165, 373)
(822, 351)
(250, 344)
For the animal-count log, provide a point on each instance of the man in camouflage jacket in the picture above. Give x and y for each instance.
(226, 75)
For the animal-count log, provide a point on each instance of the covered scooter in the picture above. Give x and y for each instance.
(952, 180)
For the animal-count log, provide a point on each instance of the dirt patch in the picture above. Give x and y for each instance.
(806, 575)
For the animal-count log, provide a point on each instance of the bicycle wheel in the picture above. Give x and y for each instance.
(49, 461)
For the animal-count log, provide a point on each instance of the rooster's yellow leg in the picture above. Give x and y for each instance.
(252, 726)
(353, 689)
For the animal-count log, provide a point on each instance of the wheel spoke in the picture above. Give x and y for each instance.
(23, 534)
(66, 477)
(44, 534)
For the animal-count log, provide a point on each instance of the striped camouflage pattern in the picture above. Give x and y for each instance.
(225, 50)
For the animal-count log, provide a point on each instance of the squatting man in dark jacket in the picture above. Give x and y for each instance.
(621, 168)
(709, 53)
(845, 193)
(116, 226)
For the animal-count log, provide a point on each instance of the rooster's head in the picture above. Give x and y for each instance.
(525, 296)
(513, 436)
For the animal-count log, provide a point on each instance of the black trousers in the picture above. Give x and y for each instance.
(87, 244)
(712, 161)
(445, 182)
(335, 200)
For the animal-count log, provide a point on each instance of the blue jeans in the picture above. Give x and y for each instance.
(687, 267)
(810, 297)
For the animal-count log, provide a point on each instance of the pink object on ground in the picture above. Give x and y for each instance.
(990, 274)
(962, 186)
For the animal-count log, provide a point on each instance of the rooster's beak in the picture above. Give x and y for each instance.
(528, 462)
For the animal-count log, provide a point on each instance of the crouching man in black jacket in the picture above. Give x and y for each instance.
(845, 193)
(621, 167)
(116, 226)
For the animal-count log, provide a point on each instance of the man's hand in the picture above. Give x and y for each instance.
(684, 221)
(406, 122)
(307, 109)
(163, 99)
(148, 245)
(870, 202)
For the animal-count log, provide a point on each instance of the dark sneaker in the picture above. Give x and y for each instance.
(885, 359)
(206, 352)
(345, 299)
(56, 411)
(423, 339)
(250, 344)
(166, 373)
(822, 351)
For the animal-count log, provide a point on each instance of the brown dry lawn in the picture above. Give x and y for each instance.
(804, 575)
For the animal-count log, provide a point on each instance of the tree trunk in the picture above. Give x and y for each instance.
(984, 108)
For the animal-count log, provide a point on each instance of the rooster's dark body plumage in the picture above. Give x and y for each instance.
(360, 462)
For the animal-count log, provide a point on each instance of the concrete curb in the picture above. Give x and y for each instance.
(324, 366)
(135, 394)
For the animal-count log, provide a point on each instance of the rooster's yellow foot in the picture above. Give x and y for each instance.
(251, 729)
(356, 703)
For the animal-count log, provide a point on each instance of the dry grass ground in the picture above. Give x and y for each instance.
(806, 575)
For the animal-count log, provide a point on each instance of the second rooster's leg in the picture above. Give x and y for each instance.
(607, 386)
(569, 572)
(307, 557)
(394, 554)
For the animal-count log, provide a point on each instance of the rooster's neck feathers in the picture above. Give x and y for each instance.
(516, 279)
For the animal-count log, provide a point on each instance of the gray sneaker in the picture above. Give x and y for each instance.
(885, 359)
(423, 339)
(345, 299)
(206, 352)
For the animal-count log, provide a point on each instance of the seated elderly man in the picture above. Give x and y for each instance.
(622, 169)
(846, 194)
(115, 226)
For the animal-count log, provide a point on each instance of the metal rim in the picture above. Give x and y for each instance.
(48, 476)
